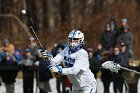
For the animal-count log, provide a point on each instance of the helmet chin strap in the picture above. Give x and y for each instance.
(75, 49)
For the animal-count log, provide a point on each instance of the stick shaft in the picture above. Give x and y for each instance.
(130, 70)
(31, 27)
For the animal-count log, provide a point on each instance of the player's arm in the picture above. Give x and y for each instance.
(81, 63)
(56, 60)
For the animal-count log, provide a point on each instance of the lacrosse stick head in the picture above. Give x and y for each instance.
(114, 67)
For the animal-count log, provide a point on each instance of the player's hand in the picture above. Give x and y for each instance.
(36, 63)
(56, 69)
(46, 55)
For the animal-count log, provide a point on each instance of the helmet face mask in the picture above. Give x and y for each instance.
(73, 42)
(75, 39)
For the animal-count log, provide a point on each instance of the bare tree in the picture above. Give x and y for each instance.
(76, 12)
(51, 16)
(39, 13)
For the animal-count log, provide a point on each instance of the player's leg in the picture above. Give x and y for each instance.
(89, 90)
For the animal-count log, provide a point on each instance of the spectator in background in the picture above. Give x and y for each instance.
(33, 46)
(28, 73)
(56, 48)
(44, 75)
(114, 28)
(107, 38)
(94, 64)
(131, 77)
(123, 24)
(1, 54)
(0, 81)
(8, 76)
(98, 52)
(106, 76)
(90, 54)
(7, 46)
(126, 54)
(8, 58)
(113, 25)
(118, 79)
(18, 55)
(126, 37)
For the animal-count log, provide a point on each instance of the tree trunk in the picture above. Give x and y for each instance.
(89, 4)
(39, 14)
(76, 12)
(51, 16)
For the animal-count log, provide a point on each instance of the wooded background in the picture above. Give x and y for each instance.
(53, 19)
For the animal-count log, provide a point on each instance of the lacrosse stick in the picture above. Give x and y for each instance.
(114, 67)
(25, 16)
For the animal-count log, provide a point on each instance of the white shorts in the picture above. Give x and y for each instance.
(91, 89)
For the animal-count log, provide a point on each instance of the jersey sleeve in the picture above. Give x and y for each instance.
(81, 63)
(58, 58)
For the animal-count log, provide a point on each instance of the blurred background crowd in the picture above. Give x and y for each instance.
(111, 29)
(115, 44)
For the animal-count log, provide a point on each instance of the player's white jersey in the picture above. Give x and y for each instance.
(76, 67)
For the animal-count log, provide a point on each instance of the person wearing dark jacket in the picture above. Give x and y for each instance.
(33, 46)
(124, 23)
(28, 73)
(8, 76)
(94, 63)
(126, 37)
(107, 38)
(98, 52)
(43, 75)
(106, 76)
(126, 54)
(131, 78)
(118, 79)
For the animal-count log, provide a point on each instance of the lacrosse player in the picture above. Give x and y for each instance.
(75, 64)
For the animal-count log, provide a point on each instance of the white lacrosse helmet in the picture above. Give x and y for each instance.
(75, 38)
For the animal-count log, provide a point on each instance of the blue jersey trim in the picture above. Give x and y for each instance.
(91, 90)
